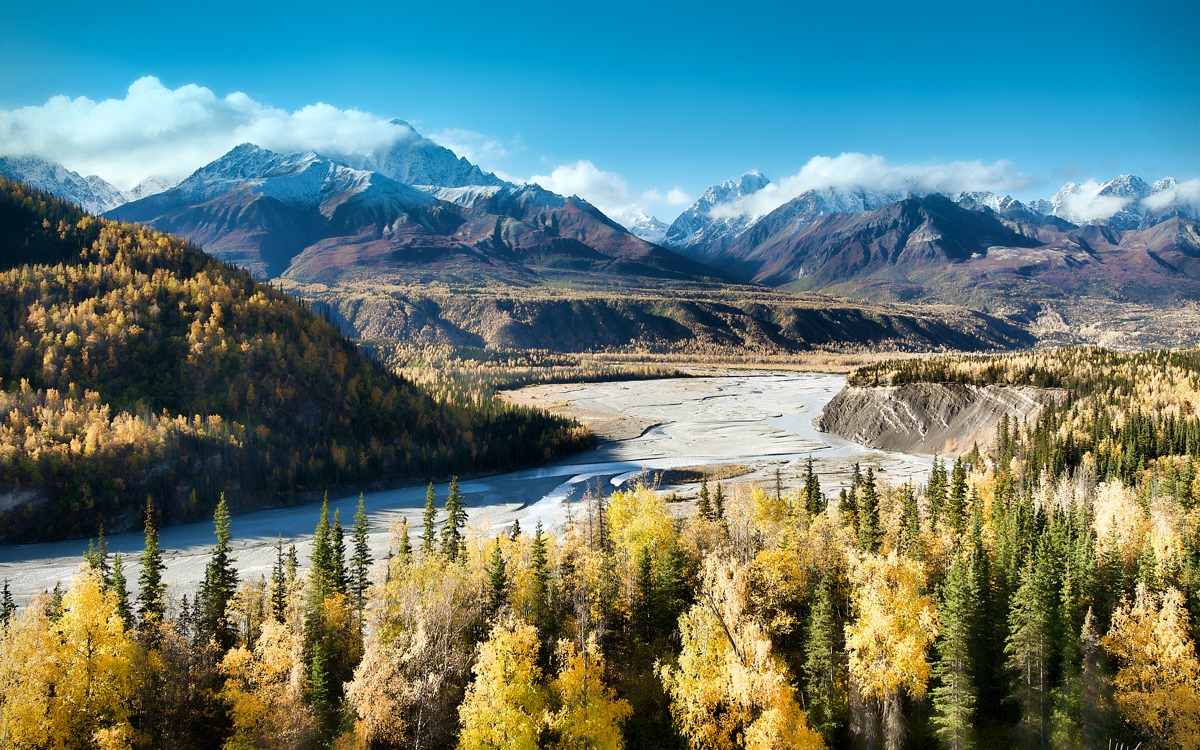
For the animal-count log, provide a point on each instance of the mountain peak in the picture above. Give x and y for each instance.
(90, 193)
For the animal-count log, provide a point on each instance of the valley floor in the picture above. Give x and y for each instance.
(754, 422)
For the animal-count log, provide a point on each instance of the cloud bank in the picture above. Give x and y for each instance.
(607, 191)
(1183, 193)
(873, 172)
(158, 131)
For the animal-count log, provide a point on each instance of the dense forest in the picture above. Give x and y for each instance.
(1013, 599)
(134, 365)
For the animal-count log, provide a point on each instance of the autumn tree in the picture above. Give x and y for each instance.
(589, 714)
(264, 689)
(503, 708)
(1157, 683)
(887, 643)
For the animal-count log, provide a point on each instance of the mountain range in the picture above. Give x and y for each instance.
(415, 213)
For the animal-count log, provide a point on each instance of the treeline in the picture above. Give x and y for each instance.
(967, 612)
(132, 364)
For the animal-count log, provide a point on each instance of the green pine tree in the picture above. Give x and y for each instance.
(956, 503)
(151, 589)
(514, 533)
(814, 501)
(1030, 647)
(7, 606)
(703, 502)
(220, 583)
(119, 586)
(429, 521)
(497, 576)
(404, 548)
(910, 523)
(867, 503)
(719, 503)
(955, 697)
(341, 577)
(540, 568)
(456, 521)
(97, 557)
(279, 584)
(935, 491)
(323, 573)
(824, 670)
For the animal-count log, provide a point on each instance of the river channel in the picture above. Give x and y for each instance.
(761, 421)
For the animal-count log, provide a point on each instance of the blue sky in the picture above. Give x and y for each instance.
(659, 97)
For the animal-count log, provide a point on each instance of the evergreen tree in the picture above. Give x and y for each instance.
(360, 564)
(279, 584)
(954, 698)
(151, 589)
(540, 569)
(719, 503)
(910, 522)
(956, 504)
(671, 588)
(1030, 647)
(119, 586)
(429, 520)
(644, 604)
(825, 677)
(220, 583)
(704, 503)
(869, 534)
(935, 491)
(456, 520)
(497, 576)
(7, 606)
(404, 549)
(323, 574)
(341, 578)
(814, 501)
(319, 697)
(515, 532)
(97, 557)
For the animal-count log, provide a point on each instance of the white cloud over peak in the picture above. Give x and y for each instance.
(873, 172)
(607, 191)
(1186, 192)
(159, 131)
(478, 148)
(1082, 202)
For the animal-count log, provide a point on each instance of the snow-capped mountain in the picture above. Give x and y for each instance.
(1116, 203)
(415, 160)
(90, 193)
(642, 225)
(152, 185)
(718, 216)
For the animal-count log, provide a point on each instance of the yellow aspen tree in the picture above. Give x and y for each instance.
(1157, 684)
(264, 689)
(504, 707)
(728, 690)
(69, 683)
(590, 715)
(888, 642)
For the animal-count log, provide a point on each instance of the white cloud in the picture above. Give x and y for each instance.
(1082, 202)
(607, 191)
(874, 172)
(155, 130)
(477, 148)
(1187, 192)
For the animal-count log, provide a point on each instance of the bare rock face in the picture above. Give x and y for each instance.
(928, 418)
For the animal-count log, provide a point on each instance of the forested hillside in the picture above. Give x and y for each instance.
(1003, 603)
(132, 364)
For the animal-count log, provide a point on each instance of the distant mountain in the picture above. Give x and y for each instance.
(642, 225)
(1124, 203)
(311, 218)
(90, 193)
(716, 218)
(413, 159)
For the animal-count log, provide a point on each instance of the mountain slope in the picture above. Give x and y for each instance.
(312, 219)
(90, 193)
(140, 366)
(716, 218)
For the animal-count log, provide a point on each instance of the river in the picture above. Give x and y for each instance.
(759, 420)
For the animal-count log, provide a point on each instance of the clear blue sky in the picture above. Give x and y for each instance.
(673, 95)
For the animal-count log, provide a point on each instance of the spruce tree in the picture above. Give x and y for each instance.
(540, 569)
(119, 586)
(279, 584)
(151, 589)
(869, 534)
(671, 588)
(910, 523)
(497, 575)
(823, 668)
(956, 503)
(456, 520)
(719, 503)
(703, 502)
(814, 501)
(323, 572)
(404, 549)
(645, 604)
(429, 521)
(935, 492)
(220, 583)
(7, 606)
(341, 578)
(954, 698)
(360, 564)
(97, 557)
(1030, 647)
